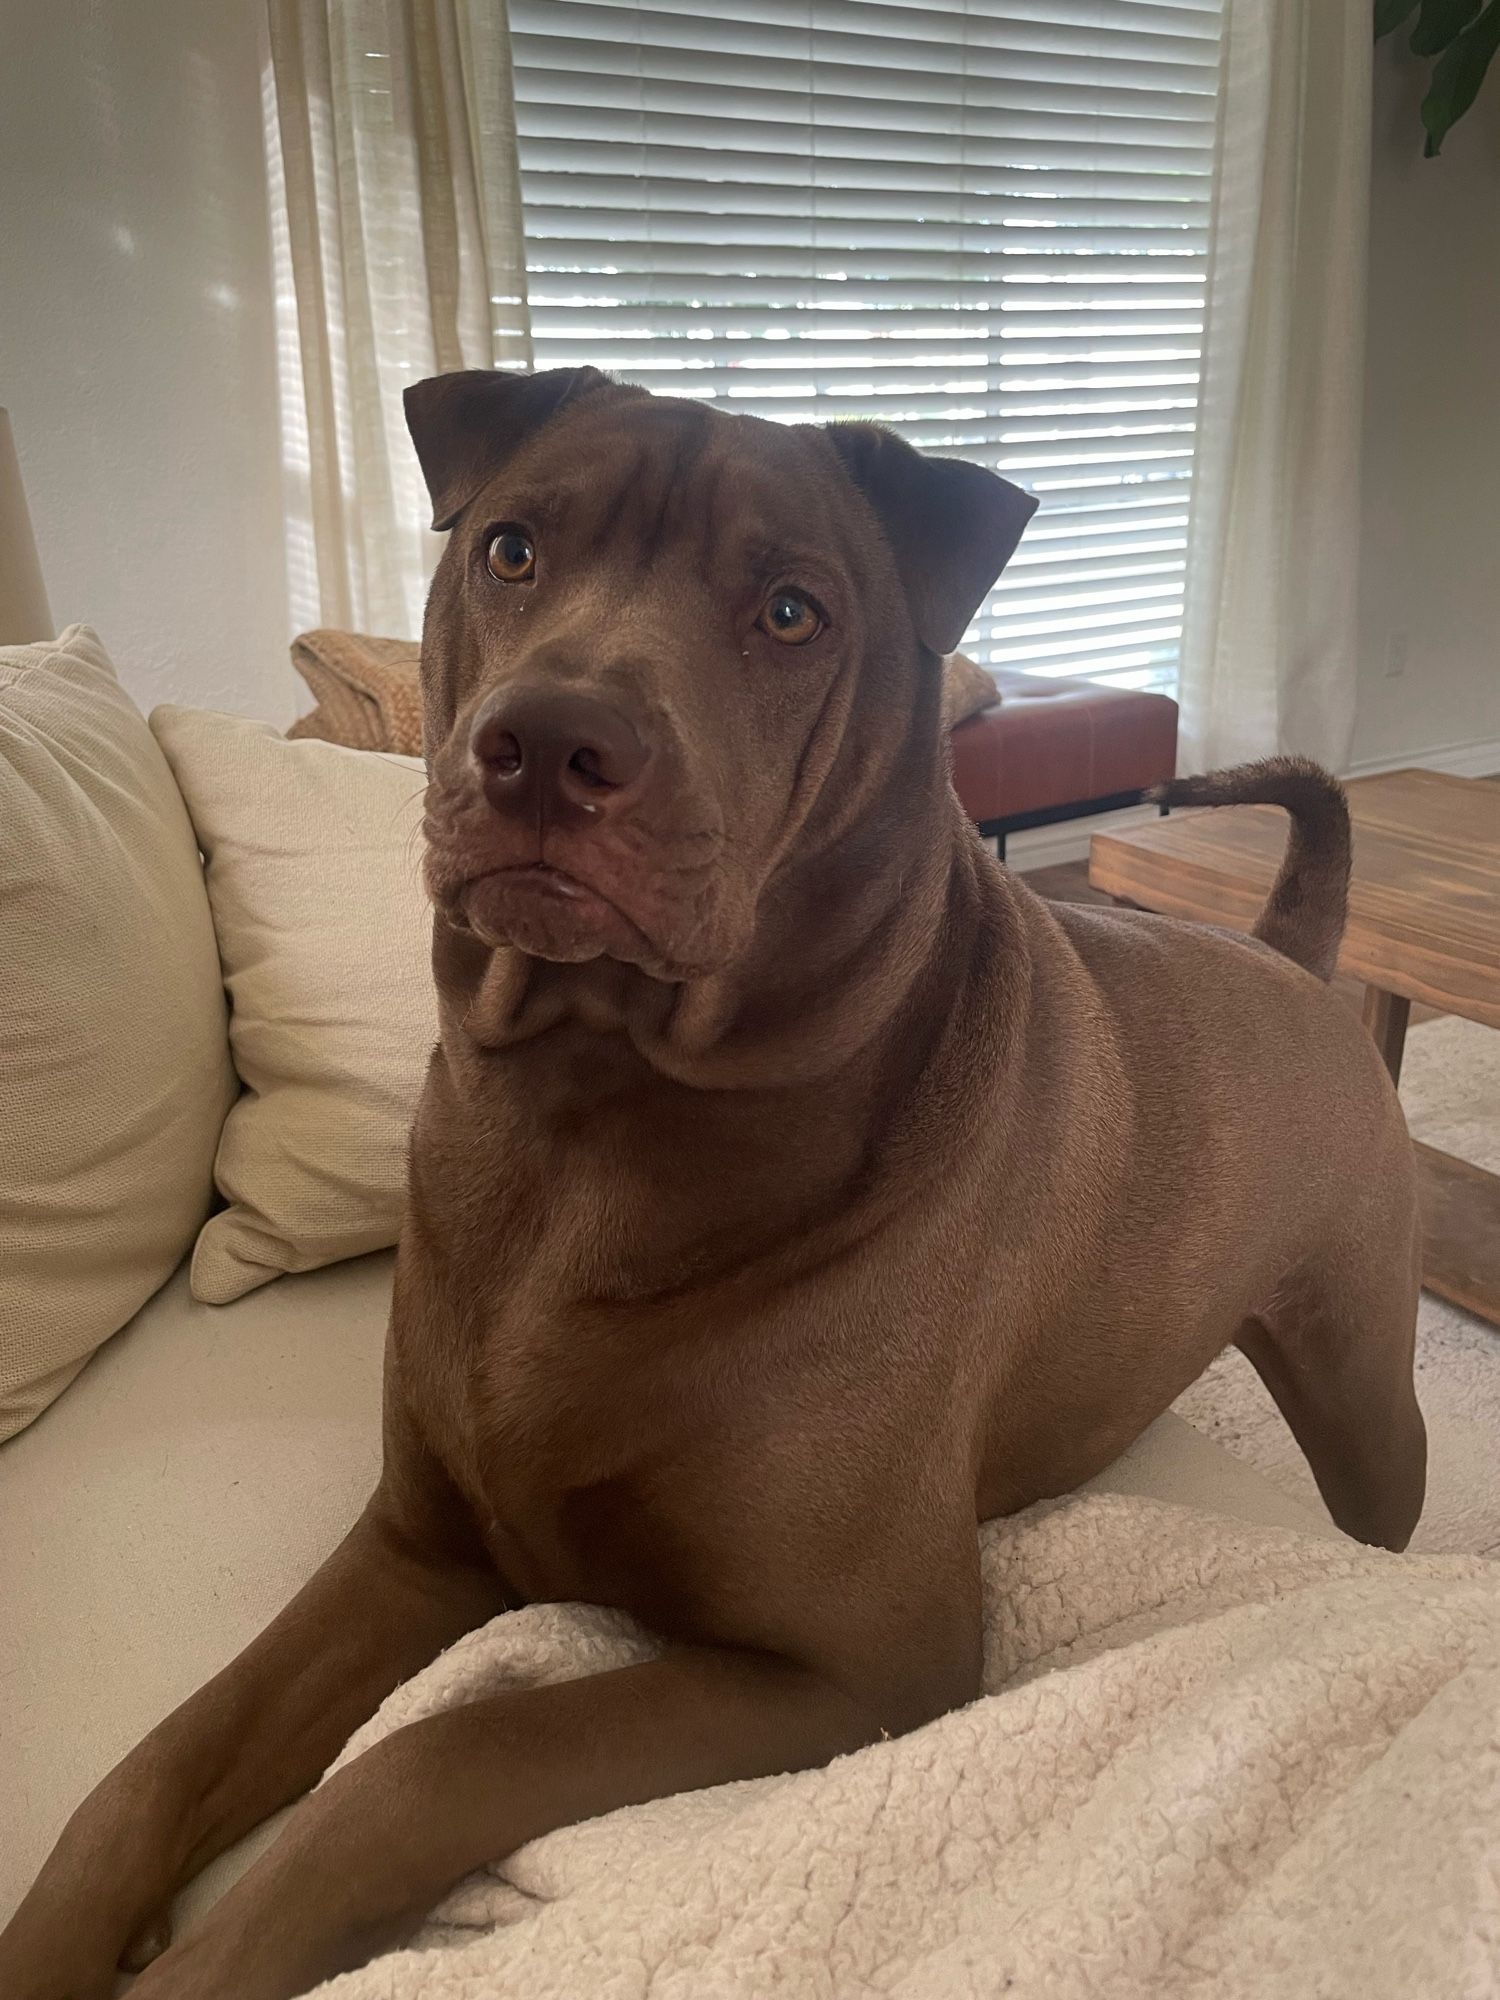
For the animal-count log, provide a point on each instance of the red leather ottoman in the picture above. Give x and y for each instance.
(1051, 750)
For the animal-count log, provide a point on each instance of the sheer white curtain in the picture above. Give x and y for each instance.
(1269, 639)
(396, 223)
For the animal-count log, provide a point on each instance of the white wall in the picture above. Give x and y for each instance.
(137, 337)
(1430, 586)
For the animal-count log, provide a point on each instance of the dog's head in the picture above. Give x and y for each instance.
(665, 646)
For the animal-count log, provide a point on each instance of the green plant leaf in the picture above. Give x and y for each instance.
(1389, 14)
(1459, 72)
(1439, 22)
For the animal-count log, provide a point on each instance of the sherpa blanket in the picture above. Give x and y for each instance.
(1212, 1760)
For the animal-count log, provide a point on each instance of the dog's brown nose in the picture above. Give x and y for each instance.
(539, 746)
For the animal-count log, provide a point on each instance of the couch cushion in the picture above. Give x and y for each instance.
(313, 868)
(162, 1514)
(199, 1471)
(1049, 743)
(114, 1061)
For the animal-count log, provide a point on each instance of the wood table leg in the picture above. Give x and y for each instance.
(1386, 1015)
(1460, 1202)
(1460, 1231)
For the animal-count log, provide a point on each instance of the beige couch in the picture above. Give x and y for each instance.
(179, 1488)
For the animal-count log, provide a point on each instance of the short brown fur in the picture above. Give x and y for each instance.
(791, 1188)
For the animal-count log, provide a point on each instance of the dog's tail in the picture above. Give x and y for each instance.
(1304, 914)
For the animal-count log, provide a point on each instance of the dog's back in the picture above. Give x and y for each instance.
(1259, 1186)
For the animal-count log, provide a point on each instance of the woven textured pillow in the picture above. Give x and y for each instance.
(114, 1061)
(369, 696)
(967, 690)
(312, 859)
(368, 693)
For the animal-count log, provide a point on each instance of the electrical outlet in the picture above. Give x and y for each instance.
(1397, 651)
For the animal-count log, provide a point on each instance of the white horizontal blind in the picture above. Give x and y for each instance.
(984, 225)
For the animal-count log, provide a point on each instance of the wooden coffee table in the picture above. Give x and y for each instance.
(1424, 925)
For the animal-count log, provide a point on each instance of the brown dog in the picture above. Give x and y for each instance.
(791, 1187)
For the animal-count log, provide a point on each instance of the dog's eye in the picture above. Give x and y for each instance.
(790, 618)
(511, 558)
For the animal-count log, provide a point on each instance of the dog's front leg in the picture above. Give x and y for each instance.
(259, 1734)
(378, 1845)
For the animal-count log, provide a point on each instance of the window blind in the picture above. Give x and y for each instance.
(985, 226)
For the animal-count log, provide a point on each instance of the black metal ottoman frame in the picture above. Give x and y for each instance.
(997, 829)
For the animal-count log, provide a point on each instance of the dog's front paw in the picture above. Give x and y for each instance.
(148, 1942)
(247, 1947)
(37, 1965)
(208, 1965)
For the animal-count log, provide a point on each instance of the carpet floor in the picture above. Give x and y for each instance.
(1450, 1087)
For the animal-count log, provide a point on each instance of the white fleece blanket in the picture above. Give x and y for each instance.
(1212, 1760)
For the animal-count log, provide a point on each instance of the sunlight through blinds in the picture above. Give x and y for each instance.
(983, 225)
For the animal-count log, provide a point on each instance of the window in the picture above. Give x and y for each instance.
(984, 225)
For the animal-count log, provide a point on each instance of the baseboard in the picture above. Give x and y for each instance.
(1459, 760)
(1050, 846)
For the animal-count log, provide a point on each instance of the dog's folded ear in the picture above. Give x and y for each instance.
(952, 526)
(467, 424)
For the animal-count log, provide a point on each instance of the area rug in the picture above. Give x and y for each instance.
(1450, 1087)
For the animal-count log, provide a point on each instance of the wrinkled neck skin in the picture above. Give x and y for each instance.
(887, 964)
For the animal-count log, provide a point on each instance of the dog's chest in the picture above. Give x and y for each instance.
(560, 1424)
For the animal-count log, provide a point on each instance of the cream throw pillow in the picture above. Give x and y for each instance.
(114, 1064)
(313, 865)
